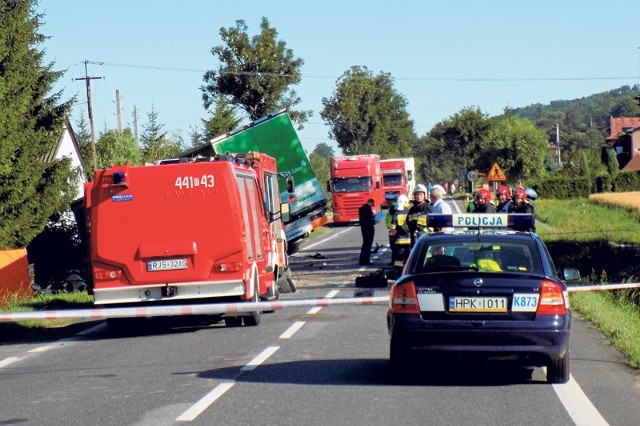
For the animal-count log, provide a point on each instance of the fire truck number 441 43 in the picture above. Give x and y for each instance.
(188, 182)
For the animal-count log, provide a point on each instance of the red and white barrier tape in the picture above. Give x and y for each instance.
(175, 310)
(602, 287)
(229, 308)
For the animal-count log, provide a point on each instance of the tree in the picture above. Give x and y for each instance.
(453, 144)
(319, 160)
(156, 145)
(254, 74)
(32, 189)
(119, 149)
(517, 145)
(368, 116)
(223, 120)
(83, 137)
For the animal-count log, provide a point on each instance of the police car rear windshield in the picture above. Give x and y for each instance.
(498, 257)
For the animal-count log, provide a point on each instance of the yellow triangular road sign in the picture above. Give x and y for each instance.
(495, 174)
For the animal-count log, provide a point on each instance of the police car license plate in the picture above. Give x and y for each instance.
(477, 304)
(166, 265)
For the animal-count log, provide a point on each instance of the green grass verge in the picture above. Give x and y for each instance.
(43, 302)
(617, 319)
(580, 220)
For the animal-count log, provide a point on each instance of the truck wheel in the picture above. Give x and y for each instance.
(253, 319)
(233, 321)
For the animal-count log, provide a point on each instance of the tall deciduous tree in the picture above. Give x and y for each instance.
(453, 145)
(368, 116)
(119, 149)
(254, 73)
(517, 145)
(319, 160)
(32, 189)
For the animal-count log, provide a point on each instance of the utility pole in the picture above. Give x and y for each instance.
(135, 123)
(118, 115)
(558, 144)
(87, 80)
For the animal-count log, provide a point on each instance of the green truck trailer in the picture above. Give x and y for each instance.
(275, 135)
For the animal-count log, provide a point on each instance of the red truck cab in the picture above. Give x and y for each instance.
(354, 180)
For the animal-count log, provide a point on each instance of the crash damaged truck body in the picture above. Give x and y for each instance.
(275, 135)
(200, 231)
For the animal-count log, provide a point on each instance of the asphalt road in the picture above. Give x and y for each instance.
(300, 366)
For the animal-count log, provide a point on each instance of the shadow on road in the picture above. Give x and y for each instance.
(376, 372)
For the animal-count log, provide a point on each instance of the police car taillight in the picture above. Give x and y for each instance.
(552, 299)
(404, 299)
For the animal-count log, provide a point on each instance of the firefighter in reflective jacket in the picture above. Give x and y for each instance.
(399, 232)
(417, 215)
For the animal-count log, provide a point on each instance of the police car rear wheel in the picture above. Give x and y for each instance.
(558, 370)
(399, 355)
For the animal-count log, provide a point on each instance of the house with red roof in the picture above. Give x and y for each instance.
(624, 138)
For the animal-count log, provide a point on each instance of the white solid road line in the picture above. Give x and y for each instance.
(196, 409)
(291, 330)
(579, 407)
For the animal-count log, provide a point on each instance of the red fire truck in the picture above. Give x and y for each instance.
(354, 179)
(206, 230)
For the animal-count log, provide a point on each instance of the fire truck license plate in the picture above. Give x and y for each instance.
(166, 265)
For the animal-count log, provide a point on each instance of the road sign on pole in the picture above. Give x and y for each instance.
(472, 176)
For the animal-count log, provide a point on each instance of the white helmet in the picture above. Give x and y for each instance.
(420, 188)
(403, 200)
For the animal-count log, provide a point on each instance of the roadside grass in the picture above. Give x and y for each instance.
(44, 302)
(581, 220)
(616, 318)
(605, 217)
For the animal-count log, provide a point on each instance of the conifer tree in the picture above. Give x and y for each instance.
(33, 187)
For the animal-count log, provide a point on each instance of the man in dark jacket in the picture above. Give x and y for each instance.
(367, 227)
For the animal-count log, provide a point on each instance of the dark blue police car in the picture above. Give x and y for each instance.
(483, 287)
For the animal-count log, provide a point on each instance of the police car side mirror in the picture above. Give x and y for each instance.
(570, 274)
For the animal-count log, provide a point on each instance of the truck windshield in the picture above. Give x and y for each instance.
(392, 179)
(354, 184)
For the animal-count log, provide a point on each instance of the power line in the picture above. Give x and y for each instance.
(451, 79)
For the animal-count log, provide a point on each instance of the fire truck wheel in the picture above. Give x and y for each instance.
(233, 321)
(253, 319)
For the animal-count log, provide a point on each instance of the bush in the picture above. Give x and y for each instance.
(563, 187)
(603, 182)
(56, 251)
(627, 181)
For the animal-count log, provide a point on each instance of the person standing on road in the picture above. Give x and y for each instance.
(367, 227)
(504, 199)
(399, 233)
(483, 202)
(438, 205)
(417, 215)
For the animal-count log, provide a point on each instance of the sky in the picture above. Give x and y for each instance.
(443, 56)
